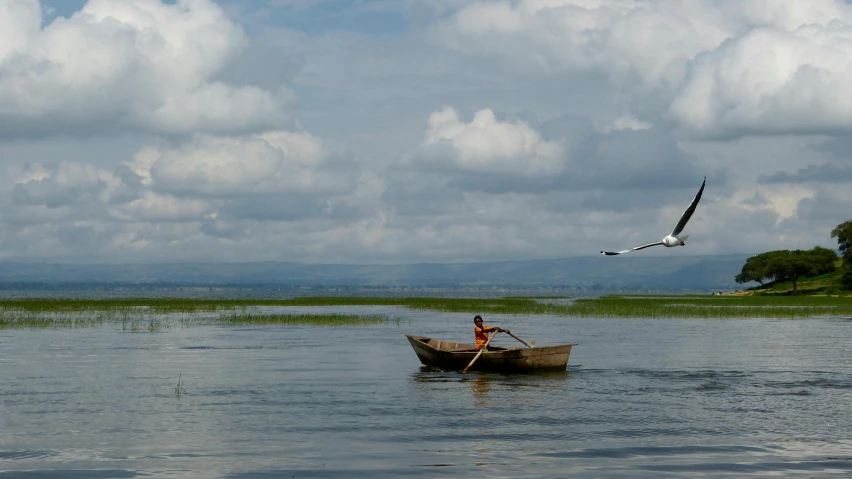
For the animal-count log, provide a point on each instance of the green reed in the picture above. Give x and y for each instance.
(710, 307)
(146, 314)
(151, 305)
(616, 306)
(150, 324)
(26, 321)
(510, 305)
(147, 322)
(188, 306)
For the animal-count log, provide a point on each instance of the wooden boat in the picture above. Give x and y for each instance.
(456, 356)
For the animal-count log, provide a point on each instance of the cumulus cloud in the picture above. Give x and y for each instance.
(629, 168)
(73, 191)
(58, 185)
(487, 153)
(562, 137)
(726, 68)
(626, 122)
(265, 164)
(218, 184)
(653, 40)
(150, 207)
(128, 65)
(487, 145)
(771, 81)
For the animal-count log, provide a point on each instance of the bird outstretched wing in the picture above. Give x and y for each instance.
(613, 253)
(688, 213)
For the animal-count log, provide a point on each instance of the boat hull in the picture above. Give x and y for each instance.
(456, 356)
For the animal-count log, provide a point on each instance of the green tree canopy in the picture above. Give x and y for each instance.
(754, 269)
(843, 233)
(787, 265)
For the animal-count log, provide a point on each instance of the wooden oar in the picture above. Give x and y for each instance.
(519, 339)
(480, 352)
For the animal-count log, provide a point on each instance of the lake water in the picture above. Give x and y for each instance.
(641, 398)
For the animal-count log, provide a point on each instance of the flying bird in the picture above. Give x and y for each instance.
(674, 239)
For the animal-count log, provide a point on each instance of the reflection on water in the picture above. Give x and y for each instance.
(480, 383)
(641, 398)
(479, 387)
(485, 387)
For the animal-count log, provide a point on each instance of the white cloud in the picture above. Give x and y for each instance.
(277, 175)
(575, 152)
(780, 200)
(126, 64)
(270, 163)
(653, 39)
(626, 122)
(771, 81)
(21, 19)
(488, 145)
(151, 207)
(58, 185)
(719, 68)
(489, 154)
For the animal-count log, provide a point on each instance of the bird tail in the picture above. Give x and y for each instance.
(684, 238)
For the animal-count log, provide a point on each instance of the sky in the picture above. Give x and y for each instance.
(403, 131)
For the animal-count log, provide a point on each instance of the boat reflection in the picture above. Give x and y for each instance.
(480, 387)
(484, 387)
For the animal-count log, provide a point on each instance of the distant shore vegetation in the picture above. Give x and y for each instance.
(151, 315)
(815, 271)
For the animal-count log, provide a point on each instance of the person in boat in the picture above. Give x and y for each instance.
(480, 332)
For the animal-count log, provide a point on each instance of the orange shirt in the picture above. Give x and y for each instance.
(480, 335)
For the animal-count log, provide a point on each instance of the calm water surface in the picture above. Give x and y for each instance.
(641, 398)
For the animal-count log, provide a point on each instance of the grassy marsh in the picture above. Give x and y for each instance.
(151, 315)
(637, 306)
(18, 320)
(619, 306)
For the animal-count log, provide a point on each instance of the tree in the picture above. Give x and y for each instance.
(787, 265)
(826, 255)
(801, 263)
(843, 233)
(754, 269)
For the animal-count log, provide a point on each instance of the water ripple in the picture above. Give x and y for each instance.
(71, 474)
(653, 451)
(707, 399)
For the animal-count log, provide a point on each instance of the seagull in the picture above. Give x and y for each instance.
(673, 239)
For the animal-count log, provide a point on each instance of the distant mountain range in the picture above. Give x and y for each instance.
(638, 272)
